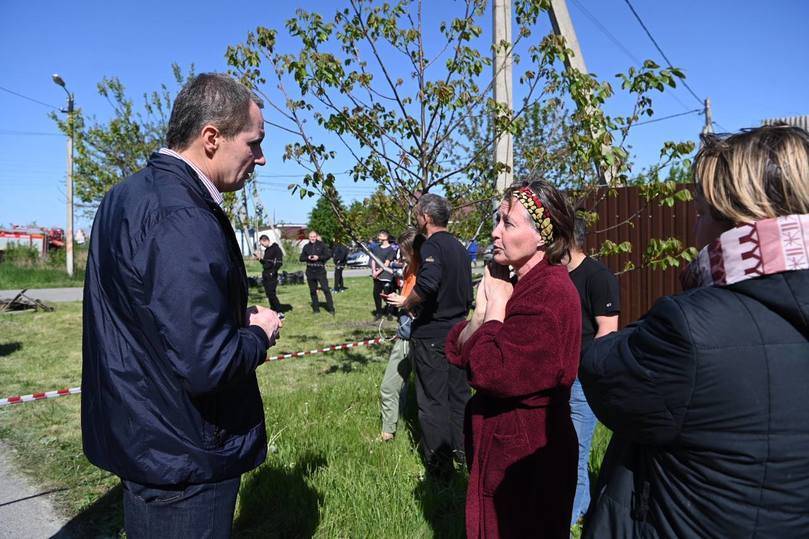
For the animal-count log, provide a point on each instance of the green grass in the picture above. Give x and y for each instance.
(22, 268)
(325, 475)
(253, 266)
(14, 277)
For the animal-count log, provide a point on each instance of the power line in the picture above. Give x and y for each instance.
(669, 117)
(663, 54)
(607, 33)
(660, 119)
(29, 98)
(618, 43)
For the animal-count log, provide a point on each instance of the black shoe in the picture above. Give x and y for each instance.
(331, 311)
(377, 317)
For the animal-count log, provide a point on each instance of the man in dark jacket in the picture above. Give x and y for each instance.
(271, 261)
(442, 297)
(170, 401)
(340, 256)
(316, 254)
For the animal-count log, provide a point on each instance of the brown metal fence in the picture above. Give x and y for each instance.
(640, 288)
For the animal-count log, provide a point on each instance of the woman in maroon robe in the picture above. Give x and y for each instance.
(521, 353)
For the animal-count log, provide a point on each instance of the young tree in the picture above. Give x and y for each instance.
(323, 220)
(366, 79)
(108, 152)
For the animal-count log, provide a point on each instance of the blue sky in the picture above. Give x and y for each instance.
(749, 57)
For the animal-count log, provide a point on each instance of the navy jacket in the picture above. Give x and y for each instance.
(707, 398)
(169, 391)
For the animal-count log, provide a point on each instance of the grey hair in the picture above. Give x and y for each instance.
(437, 207)
(209, 98)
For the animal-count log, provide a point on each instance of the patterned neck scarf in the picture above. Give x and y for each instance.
(537, 211)
(751, 250)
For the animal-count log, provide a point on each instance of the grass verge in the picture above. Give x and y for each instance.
(325, 475)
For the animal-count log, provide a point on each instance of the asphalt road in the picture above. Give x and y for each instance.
(25, 511)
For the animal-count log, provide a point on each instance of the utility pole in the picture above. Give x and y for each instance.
(504, 147)
(563, 26)
(71, 126)
(708, 129)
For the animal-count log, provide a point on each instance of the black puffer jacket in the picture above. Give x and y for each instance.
(708, 397)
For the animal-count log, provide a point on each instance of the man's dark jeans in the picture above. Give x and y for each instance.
(380, 308)
(270, 287)
(441, 392)
(338, 279)
(314, 281)
(197, 511)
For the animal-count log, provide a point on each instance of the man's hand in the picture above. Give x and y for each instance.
(266, 319)
(313, 257)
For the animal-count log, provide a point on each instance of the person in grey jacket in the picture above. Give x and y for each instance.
(706, 395)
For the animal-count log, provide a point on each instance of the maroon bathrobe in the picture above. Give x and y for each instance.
(520, 443)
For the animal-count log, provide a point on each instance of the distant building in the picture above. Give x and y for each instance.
(292, 231)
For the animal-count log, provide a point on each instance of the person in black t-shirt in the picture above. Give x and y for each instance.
(382, 275)
(600, 305)
(442, 297)
(271, 262)
(315, 254)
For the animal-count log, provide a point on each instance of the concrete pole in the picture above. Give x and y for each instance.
(504, 147)
(69, 228)
(563, 26)
(708, 129)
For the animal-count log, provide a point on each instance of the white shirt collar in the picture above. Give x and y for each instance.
(215, 194)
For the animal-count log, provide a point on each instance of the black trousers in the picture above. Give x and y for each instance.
(338, 278)
(270, 286)
(314, 281)
(442, 392)
(381, 308)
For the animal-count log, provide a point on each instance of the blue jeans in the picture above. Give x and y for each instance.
(204, 510)
(585, 423)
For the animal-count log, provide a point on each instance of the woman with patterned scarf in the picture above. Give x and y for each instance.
(520, 351)
(707, 394)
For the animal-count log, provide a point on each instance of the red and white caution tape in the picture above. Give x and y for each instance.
(40, 396)
(328, 349)
(76, 390)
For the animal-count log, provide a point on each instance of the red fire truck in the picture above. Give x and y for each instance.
(37, 238)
